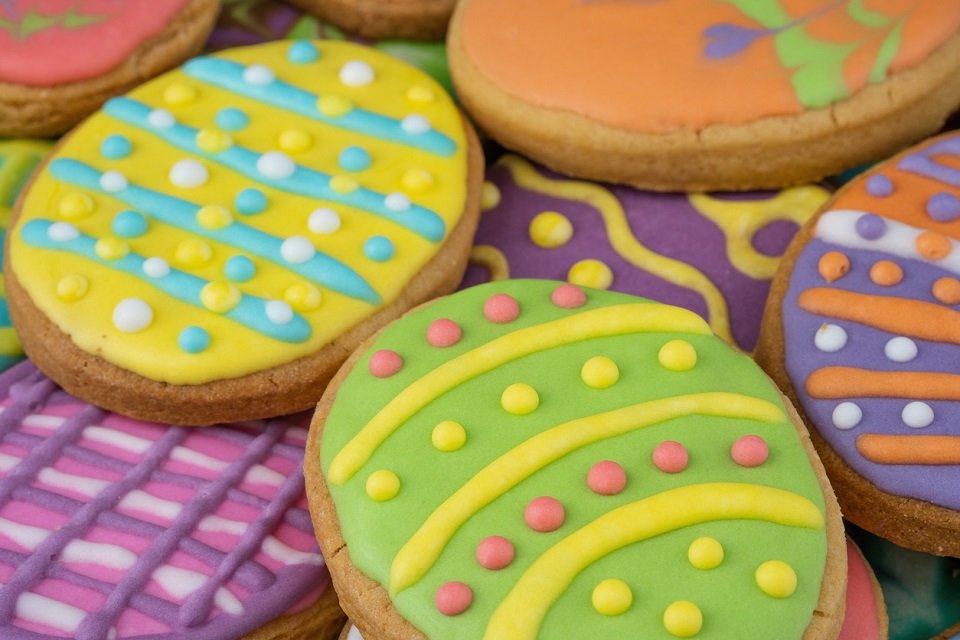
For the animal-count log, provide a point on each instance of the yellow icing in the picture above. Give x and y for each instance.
(492, 259)
(490, 196)
(612, 597)
(683, 619)
(10, 343)
(678, 355)
(600, 372)
(75, 206)
(591, 273)
(383, 485)
(519, 399)
(448, 436)
(776, 578)
(705, 553)
(550, 229)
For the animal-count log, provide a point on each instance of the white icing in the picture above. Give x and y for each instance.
(110, 556)
(182, 454)
(397, 202)
(324, 220)
(179, 583)
(41, 421)
(161, 119)
(353, 634)
(132, 315)
(113, 181)
(49, 612)
(258, 74)
(297, 249)
(415, 124)
(276, 165)
(8, 462)
(260, 474)
(62, 232)
(830, 338)
(917, 415)
(298, 433)
(188, 174)
(847, 415)
(218, 524)
(156, 267)
(901, 349)
(356, 73)
(279, 312)
(282, 553)
(227, 601)
(90, 487)
(24, 535)
(138, 500)
(117, 439)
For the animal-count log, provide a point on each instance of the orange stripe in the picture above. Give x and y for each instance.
(850, 382)
(913, 318)
(909, 449)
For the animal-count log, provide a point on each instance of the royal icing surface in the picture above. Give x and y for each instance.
(860, 620)
(885, 397)
(658, 66)
(537, 224)
(538, 400)
(207, 226)
(115, 528)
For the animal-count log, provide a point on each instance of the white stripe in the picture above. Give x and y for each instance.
(42, 421)
(282, 553)
(90, 487)
(142, 501)
(259, 474)
(106, 555)
(197, 459)
(8, 462)
(50, 613)
(24, 535)
(117, 439)
(222, 525)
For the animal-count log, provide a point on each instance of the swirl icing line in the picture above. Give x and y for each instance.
(924, 162)
(491, 259)
(851, 382)
(889, 449)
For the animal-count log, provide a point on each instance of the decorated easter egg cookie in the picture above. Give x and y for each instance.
(212, 246)
(569, 460)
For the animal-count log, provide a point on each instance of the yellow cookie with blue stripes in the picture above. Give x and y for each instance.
(213, 245)
(527, 459)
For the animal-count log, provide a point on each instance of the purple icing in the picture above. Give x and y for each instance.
(943, 207)
(879, 186)
(773, 239)
(922, 162)
(870, 226)
(730, 39)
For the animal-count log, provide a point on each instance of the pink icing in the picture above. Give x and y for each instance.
(750, 451)
(501, 308)
(444, 332)
(860, 621)
(453, 598)
(544, 514)
(385, 363)
(495, 552)
(670, 457)
(568, 296)
(606, 478)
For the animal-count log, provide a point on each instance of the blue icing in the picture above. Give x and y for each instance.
(240, 269)
(194, 339)
(378, 248)
(4, 313)
(250, 312)
(250, 201)
(302, 52)
(116, 147)
(354, 159)
(231, 119)
(129, 224)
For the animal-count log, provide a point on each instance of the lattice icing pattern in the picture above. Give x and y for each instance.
(114, 528)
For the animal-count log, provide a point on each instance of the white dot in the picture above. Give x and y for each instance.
(276, 165)
(901, 349)
(279, 312)
(356, 73)
(397, 202)
(160, 119)
(830, 337)
(132, 315)
(258, 74)
(917, 415)
(156, 267)
(297, 249)
(847, 415)
(189, 174)
(415, 124)
(113, 181)
(62, 232)
(324, 220)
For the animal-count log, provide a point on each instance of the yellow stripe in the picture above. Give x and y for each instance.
(521, 613)
(623, 241)
(595, 323)
(491, 259)
(422, 550)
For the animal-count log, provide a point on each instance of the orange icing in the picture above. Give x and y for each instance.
(947, 290)
(833, 266)
(884, 449)
(886, 273)
(933, 245)
(851, 382)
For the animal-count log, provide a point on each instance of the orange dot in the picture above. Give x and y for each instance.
(947, 290)
(833, 266)
(886, 273)
(933, 245)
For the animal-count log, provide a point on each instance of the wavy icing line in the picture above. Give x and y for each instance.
(886, 449)
(491, 259)
(421, 552)
(595, 323)
(521, 613)
(851, 382)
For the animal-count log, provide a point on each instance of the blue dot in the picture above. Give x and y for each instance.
(943, 207)
(231, 119)
(378, 248)
(116, 147)
(302, 52)
(129, 224)
(250, 201)
(879, 186)
(240, 268)
(194, 340)
(870, 226)
(354, 159)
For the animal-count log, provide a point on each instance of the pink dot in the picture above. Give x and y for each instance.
(670, 457)
(385, 363)
(501, 308)
(494, 552)
(568, 296)
(444, 333)
(607, 478)
(749, 451)
(544, 514)
(453, 598)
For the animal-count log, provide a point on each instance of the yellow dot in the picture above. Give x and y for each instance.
(448, 436)
(519, 399)
(777, 579)
(302, 296)
(705, 553)
(678, 355)
(192, 252)
(600, 372)
(551, 230)
(489, 196)
(219, 297)
(295, 140)
(683, 619)
(214, 216)
(111, 248)
(612, 597)
(213, 140)
(72, 287)
(343, 184)
(417, 180)
(591, 273)
(179, 94)
(383, 485)
(333, 106)
(74, 206)
(420, 93)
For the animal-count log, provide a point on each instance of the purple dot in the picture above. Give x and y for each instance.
(944, 207)
(879, 186)
(870, 226)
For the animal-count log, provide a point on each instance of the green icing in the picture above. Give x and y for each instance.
(24, 26)
(731, 603)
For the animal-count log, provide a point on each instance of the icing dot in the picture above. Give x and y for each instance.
(220, 297)
(678, 355)
(501, 308)
(886, 273)
(397, 202)
(295, 140)
(192, 252)
(544, 514)
(132, 315)
(188, 174)
(297, 250)
(302, 52)
(72, 287)
(275, 165)
(113, 181)
(383, 485)
(279, 312)
(670, 457)
(606, 478)
(705, 553)
(129, 224)
(343, 184)
(600, 372)
(833, 266)
(194, 339)
(443, 333)
(231, 119)
(870, 226)
(354, 158)
(420, 93)
(213, 140)
(156, 267)
(161, 119)
(568, 296)
(378, 248)
(453, 598)
(943, 207)
(74, 206)
(214, 216)
(415, 124)
(324, 220)
(776, 578)
(900, 349)
(550, 230)
(495, 553)
(302, 296)
(417, 180)
(847, 415)
(489, 196)
(612, 597)
(239, 269)
(334, 106)
(62, 232)
(947, 290)
(917, 415)
(356, 73)
(448, 436)
(384, 363)
(830, 338)
(933, 245)
(258, 75)
(750, 451)
(519, 399)
(591, 273)
(111, 248)
(116, 147)
(250, 201)
(178, 94)
(683, 619)
(879, 186)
